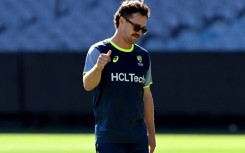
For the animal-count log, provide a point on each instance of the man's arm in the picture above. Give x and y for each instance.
(92, 78)
(149, 118)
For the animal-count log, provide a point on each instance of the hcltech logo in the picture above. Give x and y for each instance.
(127, 77)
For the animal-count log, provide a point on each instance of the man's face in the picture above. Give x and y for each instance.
(133, 27)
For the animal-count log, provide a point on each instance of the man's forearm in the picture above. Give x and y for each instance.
(149, 119)
(92, 78)
(149, 116)
(149, 111)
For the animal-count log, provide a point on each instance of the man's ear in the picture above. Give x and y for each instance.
(121, 20)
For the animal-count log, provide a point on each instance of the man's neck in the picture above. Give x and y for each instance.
(119, 41)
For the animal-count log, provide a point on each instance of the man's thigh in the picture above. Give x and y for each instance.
(110, 148)
(141, 147)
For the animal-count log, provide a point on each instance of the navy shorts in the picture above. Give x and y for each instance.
(141, 147)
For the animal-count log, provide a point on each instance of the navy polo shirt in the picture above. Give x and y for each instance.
(118, 99)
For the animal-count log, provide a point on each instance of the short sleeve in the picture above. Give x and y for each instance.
(91, 59)
(148, 79)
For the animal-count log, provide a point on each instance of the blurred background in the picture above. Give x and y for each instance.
(197, 49)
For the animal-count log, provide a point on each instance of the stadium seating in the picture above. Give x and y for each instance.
(176, 25)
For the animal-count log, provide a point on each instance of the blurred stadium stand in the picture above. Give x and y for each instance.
(190, 25)
(197, 49)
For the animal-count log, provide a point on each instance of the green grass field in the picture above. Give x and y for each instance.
(84, 143)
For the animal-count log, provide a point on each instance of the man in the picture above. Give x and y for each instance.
(119, 73)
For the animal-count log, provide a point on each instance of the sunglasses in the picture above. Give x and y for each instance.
(137, 27)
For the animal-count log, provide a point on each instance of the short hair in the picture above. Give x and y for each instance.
(129, 7)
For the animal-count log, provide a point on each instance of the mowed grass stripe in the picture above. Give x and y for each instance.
(45, 142)
(201, 143)
(74, 143)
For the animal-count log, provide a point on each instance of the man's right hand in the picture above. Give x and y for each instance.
(102, 60)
